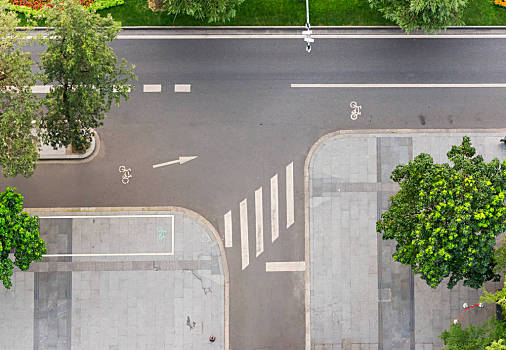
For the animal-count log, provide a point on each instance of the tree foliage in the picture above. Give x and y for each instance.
(497, 345)
(445, 218)
(499, 297)
(205, 10)
(18, 106)
(85, 72)
(480, 337)
(427, 15)
(19, 234)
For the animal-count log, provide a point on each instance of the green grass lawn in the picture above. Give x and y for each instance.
(292, 13)
(260, 13)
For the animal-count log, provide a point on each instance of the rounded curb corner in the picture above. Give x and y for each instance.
(88, 156)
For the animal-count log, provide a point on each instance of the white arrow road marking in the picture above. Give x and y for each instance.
(180, 161)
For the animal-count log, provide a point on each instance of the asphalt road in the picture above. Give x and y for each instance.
(246, 123)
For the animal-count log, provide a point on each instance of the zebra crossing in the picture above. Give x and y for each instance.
(243, 225)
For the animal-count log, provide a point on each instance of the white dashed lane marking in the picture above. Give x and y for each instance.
(182, 88)
(152, 88)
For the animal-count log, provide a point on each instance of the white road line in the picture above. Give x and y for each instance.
(274, 208)
(41, 89)
(290, 210)
(104, 216)
(492, 85)
(243, 214)
(107, 254)
(285, 266)
(152, 88)
(259, 219)
(182, 88)
(44, 89)
(228, 229)
(108, 217)
(316, 36)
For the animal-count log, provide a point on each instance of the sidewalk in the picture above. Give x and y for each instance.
(134, 280)
(360, 298)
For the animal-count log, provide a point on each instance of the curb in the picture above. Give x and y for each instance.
(196, 216)
(296, 30)
(312, 151)
(86, 157)
(317, 30)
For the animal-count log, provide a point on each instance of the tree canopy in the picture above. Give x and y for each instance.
(487, 336)
(206, 10)
(427, 15)
(446, 217)
(19, 234)
(84, 71)
(19, 109)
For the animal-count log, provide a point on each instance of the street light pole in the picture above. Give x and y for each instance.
(307, 33)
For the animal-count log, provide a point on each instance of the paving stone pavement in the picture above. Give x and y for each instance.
(360, 298)
(119, 302)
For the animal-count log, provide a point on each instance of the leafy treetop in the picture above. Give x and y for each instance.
(84, 70)
(427, 15)
(445, 218)
(19, 109)
(19, 234)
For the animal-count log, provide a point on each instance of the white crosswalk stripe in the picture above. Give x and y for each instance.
(281, 266)
(228, 229)
(290, 209)
(243, 215)
(274, 208)
(259, 220)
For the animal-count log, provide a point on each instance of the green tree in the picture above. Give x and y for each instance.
(19, 234)
(85, 72)
(497, 345)
(445, 218)
(205, 10)
(427, 15)
(499, 297)
(479, 337)
(18, 106)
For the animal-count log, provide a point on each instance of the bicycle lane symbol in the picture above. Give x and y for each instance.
(356, 110)
(125, 178)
